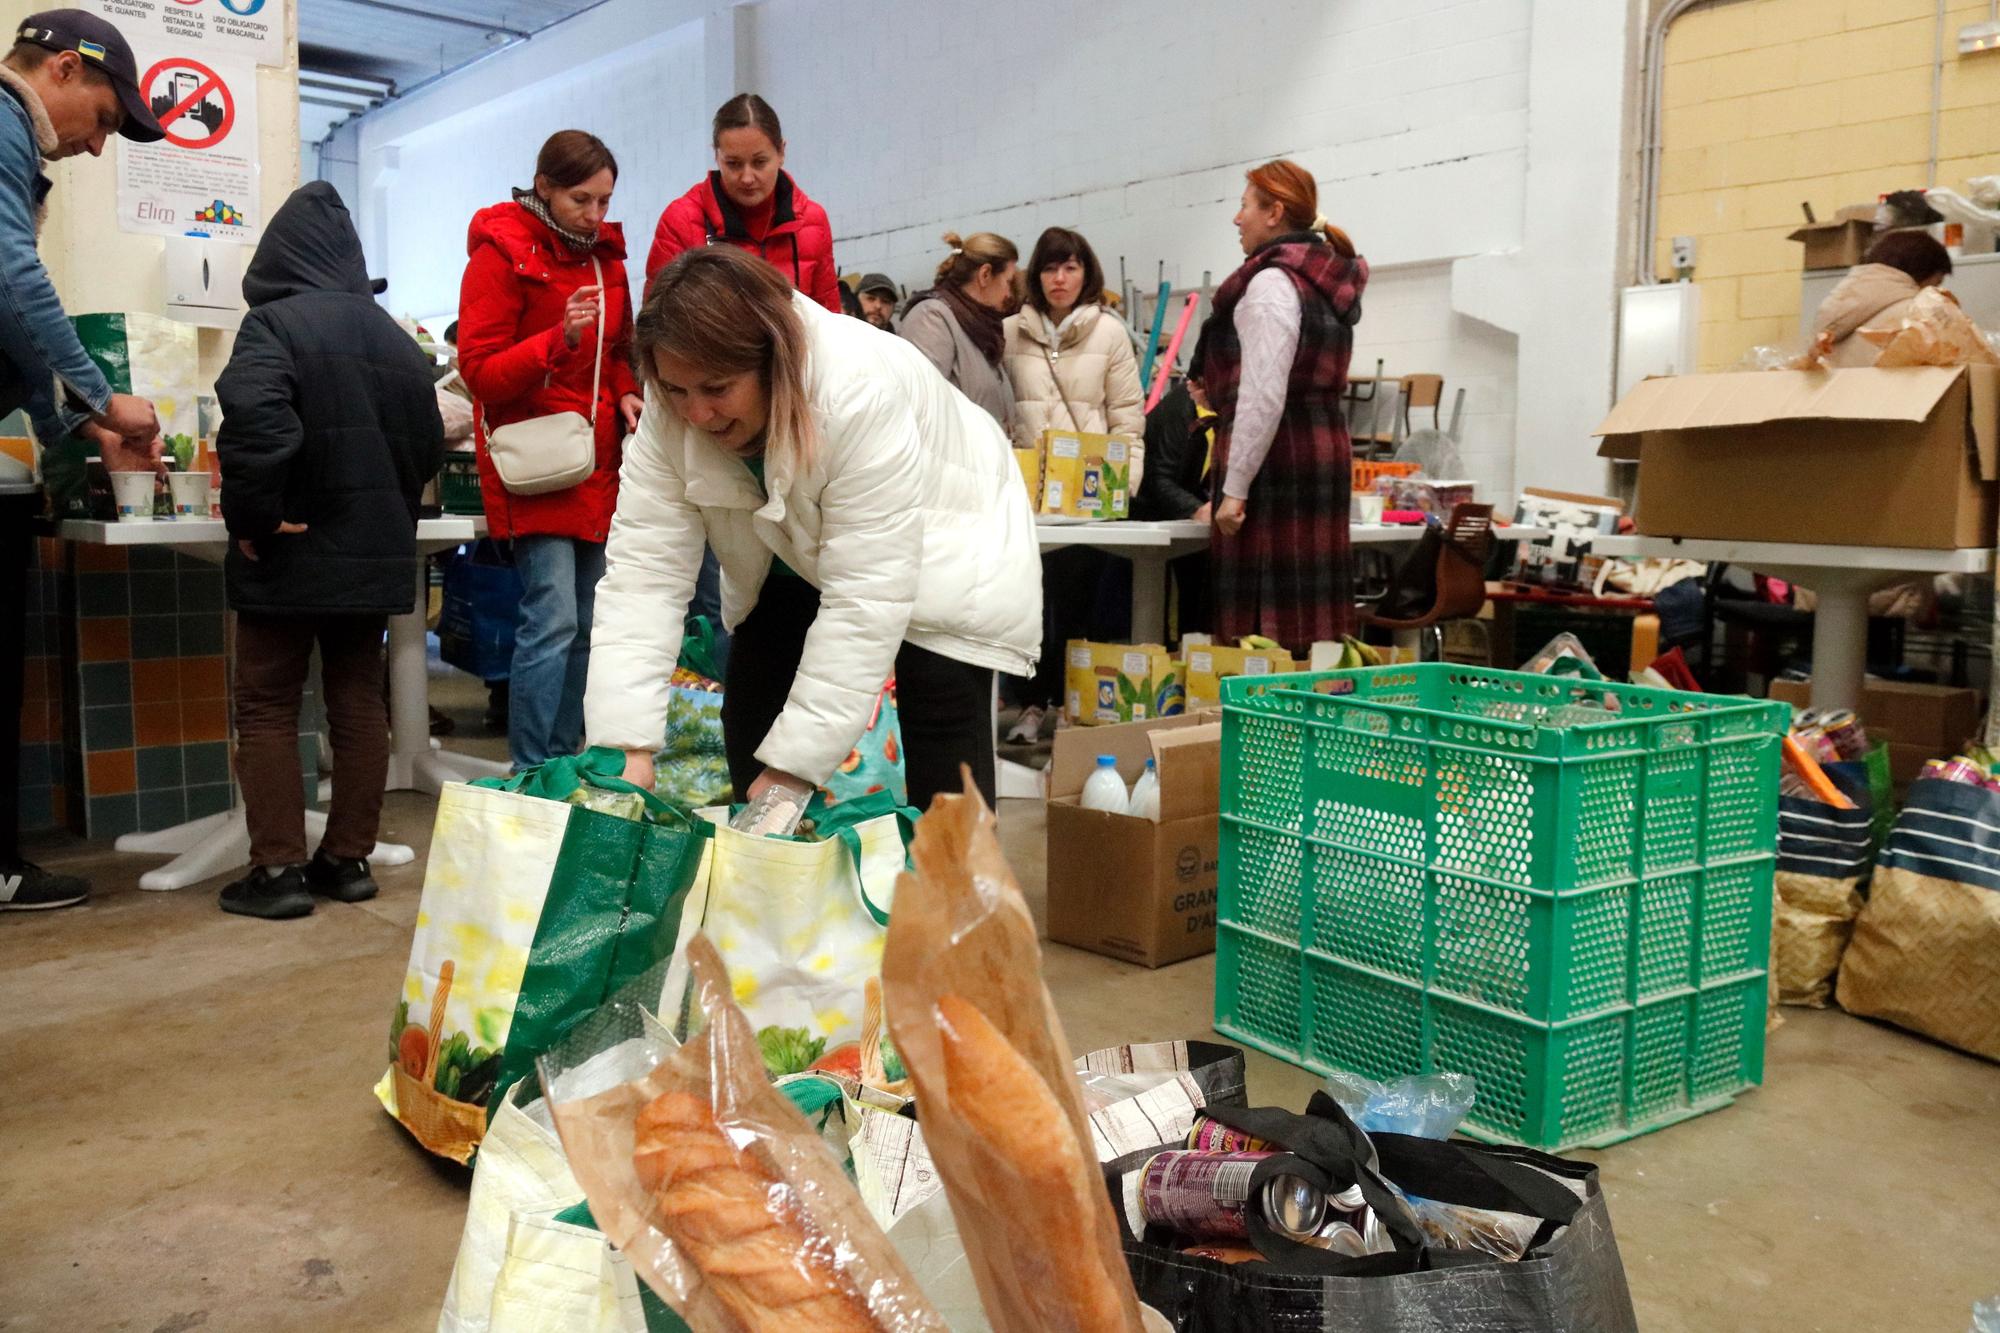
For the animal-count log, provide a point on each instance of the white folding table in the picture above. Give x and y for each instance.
(215, 843)
(1840, 576)
(1149, 546)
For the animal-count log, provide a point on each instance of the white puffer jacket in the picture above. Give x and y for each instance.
(912, 522)
(1091, 376)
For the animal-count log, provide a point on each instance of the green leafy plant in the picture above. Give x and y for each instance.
(788, 1050)
(182, 448)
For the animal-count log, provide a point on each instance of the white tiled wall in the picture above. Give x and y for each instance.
(1133, 120)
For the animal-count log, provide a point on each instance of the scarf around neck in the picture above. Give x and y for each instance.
(576, 241)
(984, 326)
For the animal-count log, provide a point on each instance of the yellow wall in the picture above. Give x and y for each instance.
(1768, 103)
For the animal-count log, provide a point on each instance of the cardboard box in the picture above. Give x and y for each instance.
(1208, 664)
(1085, 475)
(1836, 244)
(1129, 888)
(1935, 719)
(1030, 463)
(1864, 457)
(1906, 762)
(1105, 683)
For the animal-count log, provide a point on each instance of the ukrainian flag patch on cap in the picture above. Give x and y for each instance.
(91, 49)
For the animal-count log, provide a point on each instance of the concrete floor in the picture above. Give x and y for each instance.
(187, 1139)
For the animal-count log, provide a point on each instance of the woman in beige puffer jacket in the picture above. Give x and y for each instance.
(1069, 358)
(1876, 293)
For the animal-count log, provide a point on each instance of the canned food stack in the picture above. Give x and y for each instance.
(1560, 887)
(1831, 736)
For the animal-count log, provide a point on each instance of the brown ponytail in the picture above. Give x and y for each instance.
(969, 254)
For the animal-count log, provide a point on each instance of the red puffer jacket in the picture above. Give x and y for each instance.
(799, 242)
(513, 357)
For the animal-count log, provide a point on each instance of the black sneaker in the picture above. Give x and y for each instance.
(343, 881)
(26, 887)
(275, 893)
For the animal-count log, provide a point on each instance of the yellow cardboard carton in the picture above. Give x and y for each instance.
(1120, 682)
(1030, 463)
(1208, 664)
(1085, 475)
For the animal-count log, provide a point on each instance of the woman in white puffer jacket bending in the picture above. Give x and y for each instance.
(868, 519)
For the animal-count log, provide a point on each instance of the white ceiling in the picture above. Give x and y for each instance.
(353, 54)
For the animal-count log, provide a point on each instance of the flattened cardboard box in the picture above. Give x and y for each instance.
(1865, 457)
(1126, 887)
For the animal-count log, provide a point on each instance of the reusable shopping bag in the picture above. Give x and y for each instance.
(1136, 1096)
(543, 894)
(1824, 856)
(1570, 1280)
(692, 766)
(526, 1262)
(1924, 947)
(482, 603)
(875, 764)
(800, 921)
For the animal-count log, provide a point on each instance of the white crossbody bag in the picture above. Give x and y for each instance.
(557, 451)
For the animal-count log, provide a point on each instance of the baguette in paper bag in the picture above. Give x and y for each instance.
(727, 1202)
(997, 1094)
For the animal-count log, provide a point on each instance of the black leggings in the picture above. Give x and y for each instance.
(945, 706)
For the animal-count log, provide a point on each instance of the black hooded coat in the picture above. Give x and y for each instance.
(329, 419)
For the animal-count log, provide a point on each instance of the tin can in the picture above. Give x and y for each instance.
(1214, 1136)
(1960, 769)
(1844, 730)
(1208, 1195)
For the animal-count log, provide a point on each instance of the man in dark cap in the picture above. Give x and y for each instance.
(878, 298)
(69, 83)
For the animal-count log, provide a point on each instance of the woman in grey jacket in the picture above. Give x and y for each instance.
(959, 324)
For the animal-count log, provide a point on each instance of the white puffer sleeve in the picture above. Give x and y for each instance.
(871, 553)
(651, 560)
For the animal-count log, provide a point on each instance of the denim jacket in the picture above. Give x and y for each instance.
(43, 366)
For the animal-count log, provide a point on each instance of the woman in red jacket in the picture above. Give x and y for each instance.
(750, 201)
(544, 285)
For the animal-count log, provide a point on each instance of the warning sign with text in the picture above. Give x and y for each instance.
(246, 29)
(201, 180)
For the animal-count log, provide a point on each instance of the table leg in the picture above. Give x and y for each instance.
(1012, 781)
(217, 843)
(415, 761)
(1149, 594)
(1840, 645)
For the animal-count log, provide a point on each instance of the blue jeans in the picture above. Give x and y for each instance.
(551, 646)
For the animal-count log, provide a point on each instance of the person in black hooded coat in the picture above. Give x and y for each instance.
(330, 430)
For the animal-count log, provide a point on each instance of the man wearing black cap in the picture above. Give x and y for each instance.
(70, 83)
(878, 298)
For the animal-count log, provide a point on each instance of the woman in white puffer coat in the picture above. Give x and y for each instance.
(868, 519)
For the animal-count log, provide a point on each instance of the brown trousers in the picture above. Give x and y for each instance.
(272, 656)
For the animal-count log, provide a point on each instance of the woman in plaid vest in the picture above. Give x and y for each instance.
(1273, 360)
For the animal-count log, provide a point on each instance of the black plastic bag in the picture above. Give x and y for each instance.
(1570, 1281)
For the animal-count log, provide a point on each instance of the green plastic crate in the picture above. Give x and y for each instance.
(1562, 888)
(458, 484)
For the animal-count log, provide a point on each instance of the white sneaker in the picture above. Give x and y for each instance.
(1028, 728)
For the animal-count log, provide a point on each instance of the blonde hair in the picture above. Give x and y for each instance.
(728, 312)
(969, 253)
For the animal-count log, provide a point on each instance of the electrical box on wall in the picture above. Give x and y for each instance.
(205, 282)
(1658, 331)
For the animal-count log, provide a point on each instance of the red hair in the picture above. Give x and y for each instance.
(1290, 186)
